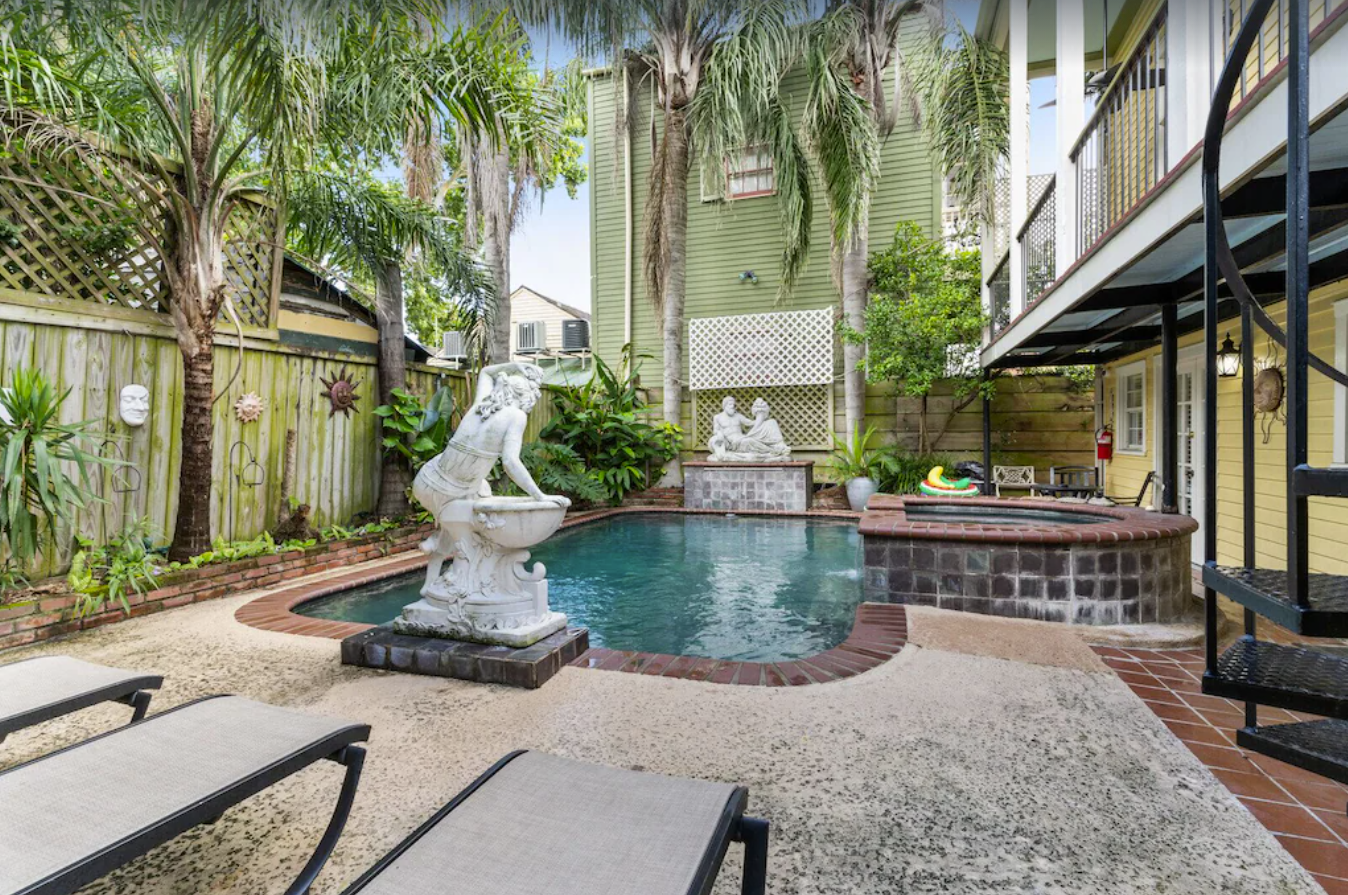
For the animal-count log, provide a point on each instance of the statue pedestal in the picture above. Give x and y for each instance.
(787, 486)
(487, 595)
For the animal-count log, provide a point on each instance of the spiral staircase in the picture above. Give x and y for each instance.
(1298, 678)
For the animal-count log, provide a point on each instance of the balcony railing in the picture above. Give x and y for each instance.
(1038, 243)
(1121, 153)
(999, 295)
(1271, 47)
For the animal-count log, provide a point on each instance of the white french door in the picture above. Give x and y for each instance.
(1189, 442)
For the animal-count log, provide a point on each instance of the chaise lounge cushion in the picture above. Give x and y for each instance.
(37, 690)
(543, 825)
(90, 804)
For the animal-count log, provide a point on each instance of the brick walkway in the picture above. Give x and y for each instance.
(1305, 811)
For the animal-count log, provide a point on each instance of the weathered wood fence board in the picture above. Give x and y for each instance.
(337, 471)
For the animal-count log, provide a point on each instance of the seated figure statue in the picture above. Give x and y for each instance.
(762, 443)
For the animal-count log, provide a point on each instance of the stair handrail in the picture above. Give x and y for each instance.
(1232, 71)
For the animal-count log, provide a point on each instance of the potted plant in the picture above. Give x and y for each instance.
(856, 463)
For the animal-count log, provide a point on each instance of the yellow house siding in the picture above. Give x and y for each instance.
(1328, 517)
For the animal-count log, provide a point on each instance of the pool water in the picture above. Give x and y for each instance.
(742, 588)
(983, 515)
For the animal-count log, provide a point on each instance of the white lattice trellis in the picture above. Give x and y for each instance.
(786, 348)
(805, 412)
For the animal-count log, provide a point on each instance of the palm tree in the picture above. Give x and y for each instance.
(202, 105)
(526, 154)
(367, 229)
(958, 90)
(716, 67)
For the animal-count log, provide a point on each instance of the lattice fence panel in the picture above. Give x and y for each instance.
(68, 230)
(805, 412)
(248, 261)
(761, 350)
(56, 240)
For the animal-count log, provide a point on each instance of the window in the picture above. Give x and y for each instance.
(1341, 392)
(750, 174)
(1131, 412)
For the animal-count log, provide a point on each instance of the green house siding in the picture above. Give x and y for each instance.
(725, 238)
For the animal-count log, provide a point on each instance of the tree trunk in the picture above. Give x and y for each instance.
(855, 285)
(675, 202)
(395, 475)
(496, 249)
(192, 529)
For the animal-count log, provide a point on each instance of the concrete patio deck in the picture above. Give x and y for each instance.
(1033, 769)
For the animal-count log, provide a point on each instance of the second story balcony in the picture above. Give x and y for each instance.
(1109, 101)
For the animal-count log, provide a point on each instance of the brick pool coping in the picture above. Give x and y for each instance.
(884, 630)
(885, 517)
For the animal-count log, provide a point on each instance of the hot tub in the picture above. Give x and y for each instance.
(1030, 559)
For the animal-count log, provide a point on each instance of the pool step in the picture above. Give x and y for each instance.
(1264, 591)
(1320, 747)
(1288, 677)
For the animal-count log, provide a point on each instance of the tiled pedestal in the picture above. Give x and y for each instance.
(782, 487)
(530, 667)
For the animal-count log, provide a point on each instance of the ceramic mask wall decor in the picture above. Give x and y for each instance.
(134, 406)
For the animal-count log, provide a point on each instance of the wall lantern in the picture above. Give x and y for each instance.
(1228, 359)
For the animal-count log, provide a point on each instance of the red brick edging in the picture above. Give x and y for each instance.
(879, 633)
(52, 613)
(885, 517)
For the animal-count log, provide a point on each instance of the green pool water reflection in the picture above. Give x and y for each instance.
(744, 588)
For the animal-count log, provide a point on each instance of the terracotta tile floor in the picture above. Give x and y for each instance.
(1306, 812)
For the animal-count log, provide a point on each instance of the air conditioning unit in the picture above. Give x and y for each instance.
(453, 347)
(575, 335)
(531, 337)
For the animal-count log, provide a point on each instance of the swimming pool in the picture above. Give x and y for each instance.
(743, 588)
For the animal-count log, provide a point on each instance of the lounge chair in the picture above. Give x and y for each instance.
(47, 687)
(535, 824)
(75, 815)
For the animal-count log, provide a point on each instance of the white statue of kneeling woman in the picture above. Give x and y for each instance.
(492, 429)
(763, 442)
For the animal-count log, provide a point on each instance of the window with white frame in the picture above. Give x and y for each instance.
(1131, 410)
(1341, 392)
(750, 174)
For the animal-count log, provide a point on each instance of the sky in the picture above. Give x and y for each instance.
(550, 250)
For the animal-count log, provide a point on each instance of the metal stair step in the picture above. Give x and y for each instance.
(1264, 591)
(1289, 677)
(1320, 747)
(1314, 482)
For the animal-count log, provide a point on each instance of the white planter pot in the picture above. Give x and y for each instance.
(859, 492)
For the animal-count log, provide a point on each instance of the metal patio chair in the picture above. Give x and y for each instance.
(75, 815)
(1012, 478)
(36, 690)
(535, 824)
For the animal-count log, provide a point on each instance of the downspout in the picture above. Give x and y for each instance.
(627, 214)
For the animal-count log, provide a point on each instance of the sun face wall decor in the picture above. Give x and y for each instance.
(341, 393)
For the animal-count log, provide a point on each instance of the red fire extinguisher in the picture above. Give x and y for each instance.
(1104, 444)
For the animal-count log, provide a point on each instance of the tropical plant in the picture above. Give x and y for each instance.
(418, 434)
(854, 458)
(604, 423)
(900, 472)
(111, 573)
(924, 318)
(367, 229)
(557, 469)
(45, 466)
(964, 83)
(953, 83)
(529, 152)
(200, 107)
(716, 69)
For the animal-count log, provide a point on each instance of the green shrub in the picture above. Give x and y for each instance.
(557, 469)
(127, 564)
(604, 422)
(900, 472)
(418, 433)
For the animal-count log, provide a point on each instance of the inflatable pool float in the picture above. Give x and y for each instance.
(937, 485)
